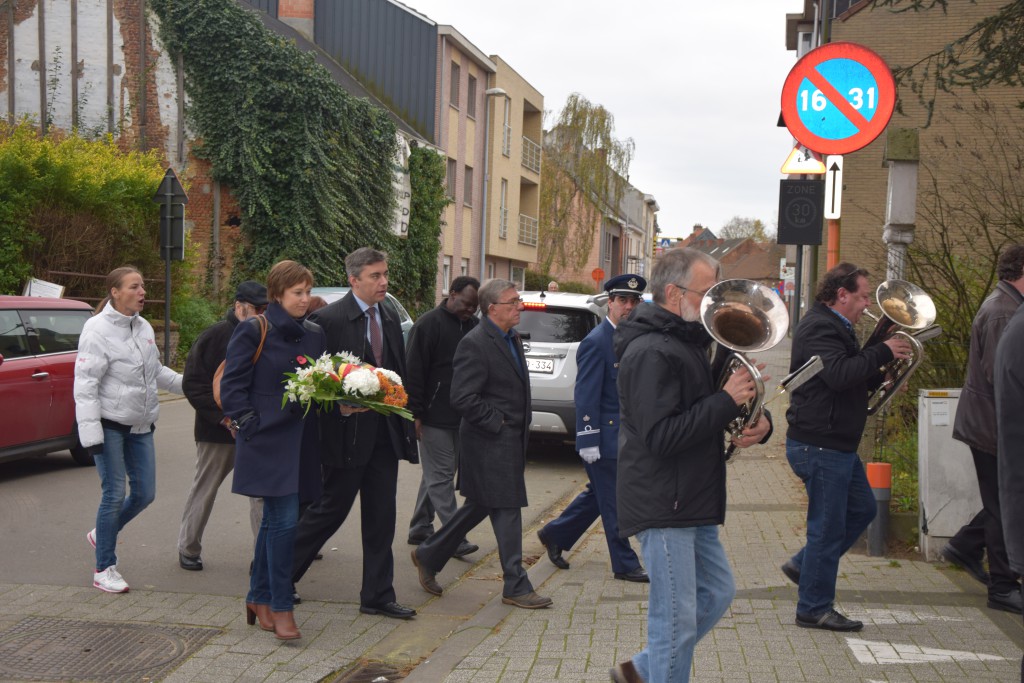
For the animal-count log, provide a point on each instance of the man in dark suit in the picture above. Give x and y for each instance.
(491, 390)
(597, 439)
(360, 449)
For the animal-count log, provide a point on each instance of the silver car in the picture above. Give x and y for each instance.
(332, 294)
(552, 326)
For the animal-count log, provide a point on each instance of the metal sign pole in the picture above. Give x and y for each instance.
(168, 207)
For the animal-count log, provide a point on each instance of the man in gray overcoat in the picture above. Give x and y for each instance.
(491, 391)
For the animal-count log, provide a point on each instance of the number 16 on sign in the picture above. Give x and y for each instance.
(833, 185)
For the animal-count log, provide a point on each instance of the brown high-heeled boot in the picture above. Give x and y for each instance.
(284, 625)
(254, 612)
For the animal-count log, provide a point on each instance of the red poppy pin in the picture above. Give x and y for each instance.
(301, 360)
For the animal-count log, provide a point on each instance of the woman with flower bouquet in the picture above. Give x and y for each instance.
(276, 450)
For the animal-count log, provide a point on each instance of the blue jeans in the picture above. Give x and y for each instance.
(271, 580)
(125, 456)
(691, 588)
(840, 506)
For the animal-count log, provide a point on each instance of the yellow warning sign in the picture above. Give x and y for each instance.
(802, 160)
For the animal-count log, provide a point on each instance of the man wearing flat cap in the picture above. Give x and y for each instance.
(215, 444)
(597, 439)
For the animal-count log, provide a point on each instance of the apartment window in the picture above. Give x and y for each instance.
(467, 186)
(450, 179)
(518, 276)
(490, 271)
(503, 211)
(446, 274)
(471, 97)
(506, 136)
(453, 88)
(465, 266)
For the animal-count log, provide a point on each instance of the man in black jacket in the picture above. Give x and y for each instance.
(975, 425)
(671, 470)
(215, 444)
(432, 344)
(826, 420)
(360, 448)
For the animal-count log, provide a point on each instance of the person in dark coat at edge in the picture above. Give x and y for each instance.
(1009, 394)
(826, 421)
(432, 344)
(215, 444)
(491, 390)
(276, 453)
(975, 425)
(597, 439)
(671, 469)
(361, 448)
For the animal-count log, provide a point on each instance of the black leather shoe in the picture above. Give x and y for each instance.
(193, 564)
(638, 575)
(554, 552)
(416, 539)
(970, 565)
(1008, 602)
(389, 609)
(829, 621)
(791, 571)
(466, 548)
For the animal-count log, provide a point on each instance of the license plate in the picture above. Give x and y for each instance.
(542, 365)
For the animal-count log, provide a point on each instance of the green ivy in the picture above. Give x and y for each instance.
(309, 164)
(412, 262)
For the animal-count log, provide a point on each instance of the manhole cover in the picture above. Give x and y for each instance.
(45, 649)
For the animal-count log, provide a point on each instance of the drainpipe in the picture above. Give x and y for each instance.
(489, 93)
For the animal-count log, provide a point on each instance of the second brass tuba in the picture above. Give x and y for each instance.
(745, 317)
(909, 307)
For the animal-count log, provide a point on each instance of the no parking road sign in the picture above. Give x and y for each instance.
(838, 98)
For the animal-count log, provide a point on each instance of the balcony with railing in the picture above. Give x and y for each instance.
(531, 155)
(529, 228)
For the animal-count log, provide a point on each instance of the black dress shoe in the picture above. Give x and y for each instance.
(638, 575)
(193, 564)
(791, 571)
(1008, 602)
(829, 621)
(466, 548)
(968, 564)
(389, 609)
(554, 552)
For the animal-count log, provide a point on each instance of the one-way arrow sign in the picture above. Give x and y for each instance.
(833, 185)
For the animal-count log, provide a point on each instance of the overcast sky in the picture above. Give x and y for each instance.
(697, 85)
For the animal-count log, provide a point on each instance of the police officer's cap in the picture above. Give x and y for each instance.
(626, 285)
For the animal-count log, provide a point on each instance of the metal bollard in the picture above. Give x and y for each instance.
(880, 479)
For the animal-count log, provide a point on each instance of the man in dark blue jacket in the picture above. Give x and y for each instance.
(826, 420)
(671, 473)
(596, 396)
(432, 344)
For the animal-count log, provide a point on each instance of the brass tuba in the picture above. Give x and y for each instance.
(905, 305)
(745, 317)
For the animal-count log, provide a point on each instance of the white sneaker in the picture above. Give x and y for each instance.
(110, 581)
(91, 537)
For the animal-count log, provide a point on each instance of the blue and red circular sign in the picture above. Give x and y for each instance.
(838, 98)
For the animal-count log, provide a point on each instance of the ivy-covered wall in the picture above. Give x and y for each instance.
(309, 165)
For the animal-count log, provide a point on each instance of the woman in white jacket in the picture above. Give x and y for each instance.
(117, 377)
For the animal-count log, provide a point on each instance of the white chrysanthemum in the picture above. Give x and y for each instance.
(391, 375)
(361, 382)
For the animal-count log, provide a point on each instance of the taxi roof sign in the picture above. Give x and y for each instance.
(803, 160)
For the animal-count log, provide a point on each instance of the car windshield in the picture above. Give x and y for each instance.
(559, 325)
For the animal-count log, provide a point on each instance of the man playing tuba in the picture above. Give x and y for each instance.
(826, 420)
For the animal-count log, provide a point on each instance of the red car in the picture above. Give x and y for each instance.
(38, 349)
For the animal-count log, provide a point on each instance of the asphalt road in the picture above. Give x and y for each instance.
(48, 504)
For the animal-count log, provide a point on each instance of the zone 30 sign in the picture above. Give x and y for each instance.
(838, 98)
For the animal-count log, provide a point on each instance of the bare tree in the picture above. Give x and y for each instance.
(738, 226)
(584, 176)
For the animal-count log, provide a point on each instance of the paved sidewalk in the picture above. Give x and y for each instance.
(923, 622)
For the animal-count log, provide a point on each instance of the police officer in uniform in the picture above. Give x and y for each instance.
(597, 439)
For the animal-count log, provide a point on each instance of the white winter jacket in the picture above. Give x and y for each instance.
(117, 375)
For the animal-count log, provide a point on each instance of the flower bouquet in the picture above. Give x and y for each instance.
(344, 378)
